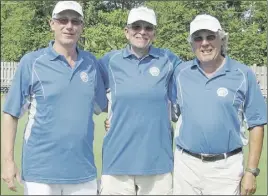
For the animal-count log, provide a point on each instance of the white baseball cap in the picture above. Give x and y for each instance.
(67, 5)
(141, 13)
(205, 21)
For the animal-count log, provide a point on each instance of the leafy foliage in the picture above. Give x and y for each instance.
(25, 26)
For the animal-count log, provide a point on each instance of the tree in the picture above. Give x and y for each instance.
(25, 26)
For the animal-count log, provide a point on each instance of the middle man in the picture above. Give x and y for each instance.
(137, 148)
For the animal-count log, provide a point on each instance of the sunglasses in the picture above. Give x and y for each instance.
(138, 27)
(200, 38)
(64, 21)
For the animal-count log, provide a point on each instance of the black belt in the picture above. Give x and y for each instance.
(212, 157)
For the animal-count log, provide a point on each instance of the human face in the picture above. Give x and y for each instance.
(206, 46)
(140, 34)
(67, 27)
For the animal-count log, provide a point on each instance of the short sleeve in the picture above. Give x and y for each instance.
(103, 65)
(255, 106)
(20, 88)
(100, 92)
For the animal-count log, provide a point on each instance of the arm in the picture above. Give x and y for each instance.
(256, 135)
(102, 63)
(256, 115)
(13, 105)
(9, 168)
(100, 98)
(9, 128)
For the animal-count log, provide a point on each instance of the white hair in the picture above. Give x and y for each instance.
(223, 36)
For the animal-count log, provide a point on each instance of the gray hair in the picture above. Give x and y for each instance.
(223, 36)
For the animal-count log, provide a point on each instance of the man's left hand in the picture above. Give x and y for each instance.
(248, 184)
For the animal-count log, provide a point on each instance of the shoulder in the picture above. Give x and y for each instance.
(185, 65)
(112, 54)
(243, 68)
(88, 55)
(30, 58)
(168, 53)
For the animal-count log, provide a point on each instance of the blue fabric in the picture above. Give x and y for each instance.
(58, 142)
(139, 139)
(213, 109)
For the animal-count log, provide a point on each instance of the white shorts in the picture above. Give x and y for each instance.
(192, 176)
(87, 188)
(136, 185)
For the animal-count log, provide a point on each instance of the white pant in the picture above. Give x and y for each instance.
(87, 188)
(192, 176)
(136, 185)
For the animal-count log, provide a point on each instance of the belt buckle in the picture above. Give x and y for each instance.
(206, 156)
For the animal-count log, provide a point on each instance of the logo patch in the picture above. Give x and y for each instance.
(84, 76)
(222, 92)
(154, 71)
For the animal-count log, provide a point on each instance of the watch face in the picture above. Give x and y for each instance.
(254, 171)
(257, 171)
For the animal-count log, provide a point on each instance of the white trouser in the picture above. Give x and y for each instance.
(136, 185)
(192, 176)
(87, 188)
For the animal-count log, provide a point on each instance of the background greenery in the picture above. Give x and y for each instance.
(24, 26)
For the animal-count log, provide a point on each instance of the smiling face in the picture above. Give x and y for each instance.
(207, 46)
(140, 34)
(67, 27)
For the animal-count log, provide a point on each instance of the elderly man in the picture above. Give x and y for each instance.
(137, 149)
(216, 94)
(62, 86)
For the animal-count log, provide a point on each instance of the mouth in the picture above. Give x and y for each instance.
(141, 38)
(206, 51)
(68, 34)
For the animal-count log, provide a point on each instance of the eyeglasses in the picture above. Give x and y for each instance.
(200, 38)
(64, 21)
(138, 27)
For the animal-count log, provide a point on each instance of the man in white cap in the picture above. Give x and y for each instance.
(216, 95)
(137, 148)
(62, 87)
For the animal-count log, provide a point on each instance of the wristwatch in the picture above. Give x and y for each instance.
(254, 171)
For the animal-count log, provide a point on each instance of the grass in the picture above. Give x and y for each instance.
(99, 134)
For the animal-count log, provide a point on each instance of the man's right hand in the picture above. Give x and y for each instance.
(106, 124)
(10, 172)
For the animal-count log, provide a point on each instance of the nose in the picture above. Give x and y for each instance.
(204, 42)
(69, 25)
(142, 31)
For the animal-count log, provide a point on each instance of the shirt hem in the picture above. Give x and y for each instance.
(138, 173)
(59, 181)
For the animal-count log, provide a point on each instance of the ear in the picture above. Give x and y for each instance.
(51, 23)
(126, 33)
(154, 38)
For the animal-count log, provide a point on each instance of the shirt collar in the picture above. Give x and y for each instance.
(154, 52)
(53, 54)
(226, 66)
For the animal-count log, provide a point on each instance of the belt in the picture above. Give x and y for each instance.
(211, 158)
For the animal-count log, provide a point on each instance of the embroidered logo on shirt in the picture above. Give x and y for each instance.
(222, 92)
(154, 71)
(84, 76)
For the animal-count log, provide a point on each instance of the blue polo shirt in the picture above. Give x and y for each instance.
(139, 139)
(213, 109)
(58, 139)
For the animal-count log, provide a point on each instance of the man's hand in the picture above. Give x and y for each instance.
(106, 124)
(248, 184)
(10, 172)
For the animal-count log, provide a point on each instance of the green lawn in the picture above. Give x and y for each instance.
(99, 133)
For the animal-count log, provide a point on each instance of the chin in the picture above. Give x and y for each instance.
(142, 46)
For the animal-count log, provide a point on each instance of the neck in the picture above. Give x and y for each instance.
(139, 52)
(69, 53)
(212, 66)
